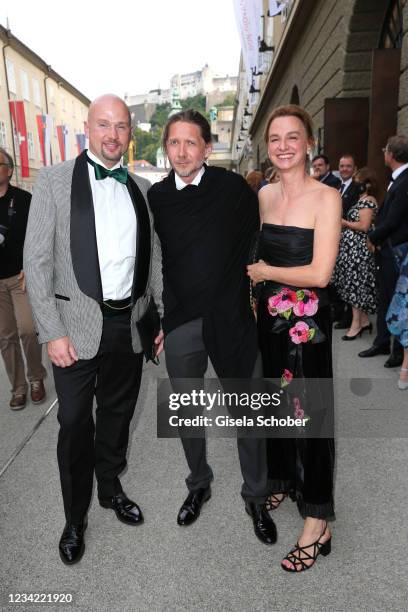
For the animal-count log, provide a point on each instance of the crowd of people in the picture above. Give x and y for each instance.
(105, 254)
(370, 275)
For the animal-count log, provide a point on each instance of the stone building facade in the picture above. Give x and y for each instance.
(24, 76)
(347, 64)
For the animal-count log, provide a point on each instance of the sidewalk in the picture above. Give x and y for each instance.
(217, 564)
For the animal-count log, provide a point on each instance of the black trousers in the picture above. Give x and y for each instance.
(387, 276)
(113, 377)
(187, 357)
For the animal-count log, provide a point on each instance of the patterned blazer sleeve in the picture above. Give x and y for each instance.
(39, 261)
(156, 277)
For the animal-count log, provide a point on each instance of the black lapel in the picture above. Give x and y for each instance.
(389, 195)
(395, 183)
(84, 248)
(143, 240)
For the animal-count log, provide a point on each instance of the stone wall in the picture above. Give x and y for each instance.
(329, 58)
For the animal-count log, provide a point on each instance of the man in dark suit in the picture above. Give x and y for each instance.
(390, 231)
(205, 218)
(87, 259)
(322, 172)
(349, 190)
(350, 193)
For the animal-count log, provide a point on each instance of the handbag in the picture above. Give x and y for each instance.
(148, 328)
(253, 257)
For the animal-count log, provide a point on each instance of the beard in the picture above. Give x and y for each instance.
(186, 173)
(110, 156)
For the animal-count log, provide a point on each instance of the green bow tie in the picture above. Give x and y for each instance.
(120, 174)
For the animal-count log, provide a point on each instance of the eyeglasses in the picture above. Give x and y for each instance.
(4, 164)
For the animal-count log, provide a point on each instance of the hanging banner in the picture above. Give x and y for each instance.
(81, 142)
(20, 132)
(44, 126)
(62, 133)
(41, 135)
(276, 7)
(247, 15)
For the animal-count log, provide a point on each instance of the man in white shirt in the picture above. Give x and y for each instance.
(88, 250)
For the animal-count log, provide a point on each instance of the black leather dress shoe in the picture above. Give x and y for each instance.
(394, 361)
(264, 527)
(72, 544)
(125, 509)
(375, 350)
(190, 510)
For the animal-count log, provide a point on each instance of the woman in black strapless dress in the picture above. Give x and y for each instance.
(301, 221)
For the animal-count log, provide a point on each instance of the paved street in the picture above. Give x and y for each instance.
(217, 564)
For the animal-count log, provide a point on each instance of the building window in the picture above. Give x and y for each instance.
(11, 77)
(36, 92)
(24, 85)
(392, 30)
(30, 141)
(3, 135)
(51, 94)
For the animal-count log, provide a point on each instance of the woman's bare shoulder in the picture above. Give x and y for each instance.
(267, 194)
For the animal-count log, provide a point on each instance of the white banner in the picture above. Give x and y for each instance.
(276, 6)
(247, 15)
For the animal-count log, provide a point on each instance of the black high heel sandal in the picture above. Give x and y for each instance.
(368, 328)
(299, 554)
(272, 501)
(357, 335)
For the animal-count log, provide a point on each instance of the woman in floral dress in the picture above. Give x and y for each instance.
(301, 222)
(354, 274)
(397, 315)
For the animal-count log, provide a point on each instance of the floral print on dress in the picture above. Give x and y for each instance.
(354, 274)
(397, 315)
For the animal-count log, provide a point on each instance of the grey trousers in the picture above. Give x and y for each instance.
(187, 357)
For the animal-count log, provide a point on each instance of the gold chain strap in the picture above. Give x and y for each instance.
(114, 307)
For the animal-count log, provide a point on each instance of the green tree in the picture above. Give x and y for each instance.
(147, 143)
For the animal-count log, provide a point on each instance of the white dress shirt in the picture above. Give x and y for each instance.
(115, 222)
(396, 174)
(180, 184)
(345, 185)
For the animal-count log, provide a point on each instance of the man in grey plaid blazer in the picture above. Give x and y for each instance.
(91, 264)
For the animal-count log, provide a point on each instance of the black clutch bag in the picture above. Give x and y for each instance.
(253, 257)
(149, 327)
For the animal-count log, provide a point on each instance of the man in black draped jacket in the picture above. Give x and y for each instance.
(205, 218)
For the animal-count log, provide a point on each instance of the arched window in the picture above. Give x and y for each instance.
(392, 29)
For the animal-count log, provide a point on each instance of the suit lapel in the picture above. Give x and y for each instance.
(84, 249)
(395, 183)
(143, 240)
(389, 195)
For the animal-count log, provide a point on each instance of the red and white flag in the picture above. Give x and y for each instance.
(20, 132)
(44, 125)
(62, 133)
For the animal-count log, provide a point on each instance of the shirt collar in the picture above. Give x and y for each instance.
(180, 184)
(399, 171)
(347, 183)
(98, 161)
